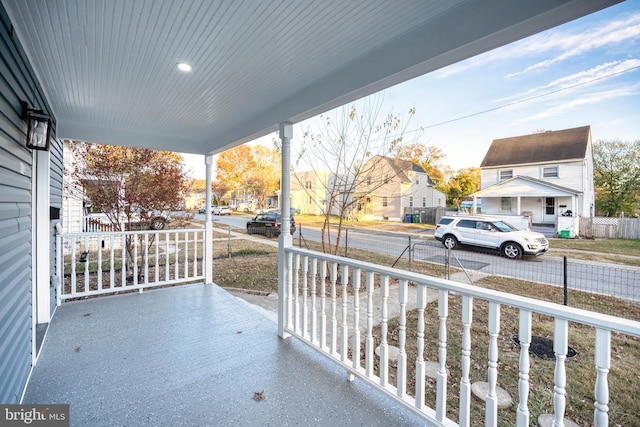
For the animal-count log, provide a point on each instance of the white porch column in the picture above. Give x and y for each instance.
(518, 200)
(474, 210)
(285, 240)
(41, 232)
(208, 225)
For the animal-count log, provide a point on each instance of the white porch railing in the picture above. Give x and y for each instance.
(323, 309)
(108, 262)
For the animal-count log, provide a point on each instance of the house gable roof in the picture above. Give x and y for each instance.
(402, 167)
(544, 147)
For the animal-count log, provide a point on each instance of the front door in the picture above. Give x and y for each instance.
(549, 210)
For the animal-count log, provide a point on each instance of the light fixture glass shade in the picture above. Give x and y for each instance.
(38, 128)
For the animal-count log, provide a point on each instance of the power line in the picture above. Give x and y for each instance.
(529, 99)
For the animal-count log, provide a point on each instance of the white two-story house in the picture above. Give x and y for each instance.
(394, 187)
(547, 176)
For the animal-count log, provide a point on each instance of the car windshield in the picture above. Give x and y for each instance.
(503, 226)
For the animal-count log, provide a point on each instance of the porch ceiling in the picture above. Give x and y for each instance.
(108, 68)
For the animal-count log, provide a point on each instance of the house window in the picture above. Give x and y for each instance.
(505, 204)
(307, 185)
(368, 180)
(417, 180)
(386, 179)
(385, 201)
(410, 201)
(309, 200)
(424, 202)
(506, 174)
(550, 172)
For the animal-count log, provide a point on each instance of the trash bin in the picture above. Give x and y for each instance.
(565, 234)
(407, 218)
(416, 218)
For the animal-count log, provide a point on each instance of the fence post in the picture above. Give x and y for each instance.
(346, 241)
(565, 278)
(229, 242)
(410, 253)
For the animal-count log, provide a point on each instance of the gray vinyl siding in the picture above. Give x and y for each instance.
(17, 83)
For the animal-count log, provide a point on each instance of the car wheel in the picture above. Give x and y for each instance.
(512, 250)
(449, 241)
(268, 232)
(249, 230)
(157, 224)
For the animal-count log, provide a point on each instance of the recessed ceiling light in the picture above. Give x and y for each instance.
(183, 66)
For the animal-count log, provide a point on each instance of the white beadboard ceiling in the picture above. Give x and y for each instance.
(108, 67)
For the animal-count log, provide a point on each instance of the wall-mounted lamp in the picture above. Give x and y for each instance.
(38, 129)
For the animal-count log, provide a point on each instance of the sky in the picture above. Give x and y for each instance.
(583, 73)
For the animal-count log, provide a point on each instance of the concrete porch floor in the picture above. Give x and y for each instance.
(193, 355)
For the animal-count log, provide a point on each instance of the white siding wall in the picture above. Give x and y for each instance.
(571, 174)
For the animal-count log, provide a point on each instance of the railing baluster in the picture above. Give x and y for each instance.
(560, 346)
(603, 363)
(176, 269)
(491, 416)
(314, 290)
(305, 296)
(112, 263)
(344, 329)
(524, 337)
(384, 349)
(465, 382)
(167, 262)
(87, 261)
(323, 304)
(370, 343)
(186, 255)
(296, 293)
(99, 243)
(135, 260)
(157, 254)
(421, 372)
(289, 289)
(146, 259)
(441, 394)
(356, 320)
(195, 253)
(334, 322)
(401, 383)
(123, 270)
(72, 248)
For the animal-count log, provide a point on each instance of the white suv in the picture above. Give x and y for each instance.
(492, 233)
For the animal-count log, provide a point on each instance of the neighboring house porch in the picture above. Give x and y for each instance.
(543, 202)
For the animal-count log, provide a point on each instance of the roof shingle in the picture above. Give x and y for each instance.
(542, 147)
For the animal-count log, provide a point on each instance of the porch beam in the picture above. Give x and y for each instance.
(208, 225)
(285, 240)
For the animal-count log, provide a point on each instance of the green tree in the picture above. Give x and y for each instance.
(264, 178)
(234, 167)
(616, 176)
(427, 156)
(461, 184)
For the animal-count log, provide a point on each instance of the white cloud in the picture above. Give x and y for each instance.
(560, 43)
(587, 99)
(593, 74)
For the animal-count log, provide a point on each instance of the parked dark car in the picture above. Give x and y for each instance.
(269, 224)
